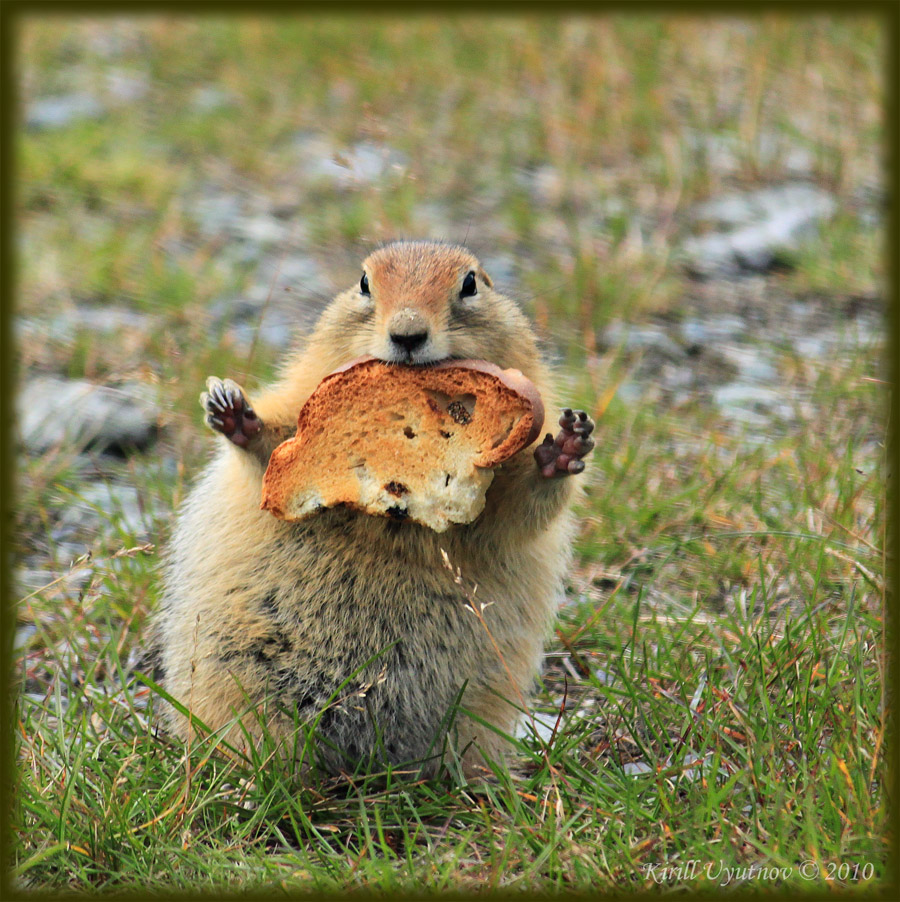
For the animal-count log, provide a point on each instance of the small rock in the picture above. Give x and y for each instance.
(723, 153)
(544, 183)
(538, 724)
(753, 364)
(51, 704)
(54, 412)
(275, 328)
(24, 635)
(752, 405)
(830, 341)
(676, 377)
(100, 321)
(255, 226)
(632, 392)
(502, 269)
(210, 97)
(287, 298)
(70, 551)
(697, 766)
(260, 229)
(127, 86)
(49, 113)
(433, 217)
(812, 347)
(363, 164)
(235, 309)
(113, 38)
(741, 394)
(33, 580)
(301, 275)
(753, 227)
(712, 329)
(633, 338)
(217, 213)
(793, 200)
(100, 504)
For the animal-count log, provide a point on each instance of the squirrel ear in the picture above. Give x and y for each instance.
(485, 278)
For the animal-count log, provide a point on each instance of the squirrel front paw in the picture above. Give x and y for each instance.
(561, 456)
(229, 412)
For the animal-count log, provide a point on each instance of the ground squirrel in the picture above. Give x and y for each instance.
(275, 622)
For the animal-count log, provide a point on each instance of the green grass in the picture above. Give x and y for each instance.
(757, 650)
(733, 588)
(749, 638)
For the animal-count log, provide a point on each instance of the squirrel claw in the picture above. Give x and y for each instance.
(562, 456)
(229, 412)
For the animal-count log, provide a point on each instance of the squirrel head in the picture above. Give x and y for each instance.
(421, 302)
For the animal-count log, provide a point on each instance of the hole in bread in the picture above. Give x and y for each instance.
(467, 401)
(501, 436)
(396, 488)
(437, 400)
(445, 434)
(408, 432)
(395, 415)
(359, 462)
(459, 407)
(447, 478)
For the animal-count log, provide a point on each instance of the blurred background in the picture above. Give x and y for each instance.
(692, 210)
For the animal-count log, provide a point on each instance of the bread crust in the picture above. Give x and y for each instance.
(374, 436)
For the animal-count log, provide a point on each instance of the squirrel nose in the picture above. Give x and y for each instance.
(409, 342)
(408, 329)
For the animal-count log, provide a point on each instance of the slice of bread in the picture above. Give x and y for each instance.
(414, 442)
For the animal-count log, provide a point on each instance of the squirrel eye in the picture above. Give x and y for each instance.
(469, 288)
(364, 284)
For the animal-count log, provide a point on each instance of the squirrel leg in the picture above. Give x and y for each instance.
(562, 456)
(229, 413)
(532, 487)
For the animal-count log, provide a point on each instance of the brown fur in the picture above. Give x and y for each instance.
(260, 615)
